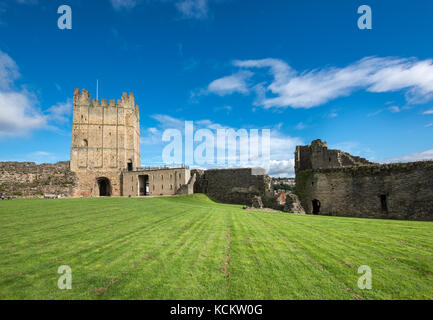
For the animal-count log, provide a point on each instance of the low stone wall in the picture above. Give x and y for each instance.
(27, 179)
(236, 186)
(397, 191)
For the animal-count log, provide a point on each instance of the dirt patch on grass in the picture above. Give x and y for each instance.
(348, 264)
(101, 291)
(228, 238)
(16, 275)
(225, 269)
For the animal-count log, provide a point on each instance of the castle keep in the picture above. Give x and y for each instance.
(332, 182)
(105, 141)
(105, 152)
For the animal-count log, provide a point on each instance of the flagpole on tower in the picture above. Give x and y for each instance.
(97, 89)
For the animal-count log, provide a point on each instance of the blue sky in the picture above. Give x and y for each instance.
(300, 68)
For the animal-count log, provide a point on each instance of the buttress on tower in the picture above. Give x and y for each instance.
(105, 142)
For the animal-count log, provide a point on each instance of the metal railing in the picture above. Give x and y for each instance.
(151, 168)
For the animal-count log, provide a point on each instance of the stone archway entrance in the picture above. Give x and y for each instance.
(104, 187)
(316, 206)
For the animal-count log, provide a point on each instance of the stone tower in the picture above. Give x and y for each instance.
(105, 142)
(318, 156)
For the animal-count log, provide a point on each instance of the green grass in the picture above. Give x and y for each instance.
(192, 248)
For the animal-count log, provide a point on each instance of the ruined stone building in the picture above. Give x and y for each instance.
(332, 182)
(106, 161)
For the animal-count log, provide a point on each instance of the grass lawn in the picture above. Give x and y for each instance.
(189, 247)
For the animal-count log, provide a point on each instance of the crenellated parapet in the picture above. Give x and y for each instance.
(83, 98)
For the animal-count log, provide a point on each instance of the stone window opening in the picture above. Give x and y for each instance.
(130, 165)
(384, 202)
(162, 187)
(171, 187)
(85, 143)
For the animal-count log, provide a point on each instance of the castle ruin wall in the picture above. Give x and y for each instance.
(27, 179)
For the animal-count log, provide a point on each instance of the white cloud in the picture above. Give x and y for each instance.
(61, 111)
(312, 88)
(283, 168)
(43, 157)
(428, 112)
(166, 121)
(123, 4)
(300, 126)
(227, 85)
(282, 146)
(197, 9)
(151, 136)
(189, 9)
(8, 71)
(27, 1)
(394, 109)
(419, 156)
(18, 112)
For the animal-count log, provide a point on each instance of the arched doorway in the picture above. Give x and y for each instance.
(316, 206)
(104, 187)
(143, 185)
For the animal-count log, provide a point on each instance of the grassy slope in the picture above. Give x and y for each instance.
(191, 248)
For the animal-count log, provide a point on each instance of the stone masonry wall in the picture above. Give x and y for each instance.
(27, 179)
(318, 156)
(397, 191)
(237, 186)
(161, 181)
